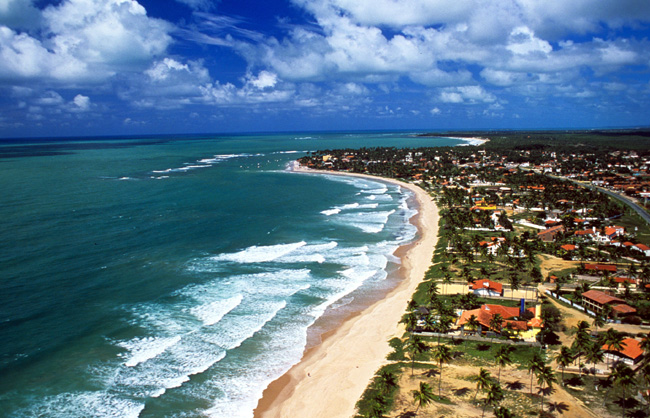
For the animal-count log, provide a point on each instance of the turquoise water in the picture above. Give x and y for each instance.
(177, 277)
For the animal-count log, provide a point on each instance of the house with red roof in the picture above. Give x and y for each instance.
(586, 233)
(594, 300)
(630, 354)
(643, 248)
(548, 235)
(485, 287)
(513, 320)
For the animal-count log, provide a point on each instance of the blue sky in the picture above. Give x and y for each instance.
(83, 67)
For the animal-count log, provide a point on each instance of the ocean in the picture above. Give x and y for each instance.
(179, 276)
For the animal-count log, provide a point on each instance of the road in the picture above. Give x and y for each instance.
(638, 209)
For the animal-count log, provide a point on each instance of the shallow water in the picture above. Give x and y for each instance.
(178, 276)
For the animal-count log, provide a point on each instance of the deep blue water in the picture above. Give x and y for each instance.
(177, 277)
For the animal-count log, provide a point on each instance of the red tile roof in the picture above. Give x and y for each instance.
(600, 267)
(487, 284)
(624, 309)
(568, 247)
(600, 297)
(485, 313)
(631, 348)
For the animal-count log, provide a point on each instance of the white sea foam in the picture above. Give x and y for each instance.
(350, 206)
(98, 404)
(203, 163)
(212, 312)
(369, 222)
(240, 388)
(262, 254)
(330, 212)
(244, 326)
(368, 206)
(169, 370)
(375, 191)
(380, 197)
(143, 349)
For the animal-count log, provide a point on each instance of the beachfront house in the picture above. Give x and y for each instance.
(517, 322)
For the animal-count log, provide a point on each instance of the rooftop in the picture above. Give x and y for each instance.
(600, 297)
(631, 348)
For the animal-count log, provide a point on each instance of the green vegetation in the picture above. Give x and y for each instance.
(494, 201)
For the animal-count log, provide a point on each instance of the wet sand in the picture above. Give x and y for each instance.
(332, 375)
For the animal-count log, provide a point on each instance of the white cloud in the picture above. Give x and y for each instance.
(50, 98)
(435, 111)
(466, 94)
(523, 42)
(81, 102)
(265, 79)
(83, 40)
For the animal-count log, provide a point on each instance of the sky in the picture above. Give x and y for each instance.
(125, 67)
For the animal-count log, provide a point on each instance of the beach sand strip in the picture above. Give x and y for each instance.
(332, 376)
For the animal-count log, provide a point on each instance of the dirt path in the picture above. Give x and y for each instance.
(550, 263)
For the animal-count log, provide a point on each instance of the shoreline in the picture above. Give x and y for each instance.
(331, 376)
(475, 141)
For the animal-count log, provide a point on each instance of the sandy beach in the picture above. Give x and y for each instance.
(332, 376)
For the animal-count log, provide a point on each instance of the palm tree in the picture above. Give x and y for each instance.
(606, 312)
(410, 320)
(387, 380)
(473, 323)
(503, 412)
(443, 325)
(446, 280)
(424, 396)
(503, 357)
(594, 353)
(563, 359)
(432, 291)
(623, 376)
(513, 279)
(415, 345)
(494, 396)
(645, 346)
(613, 340)
(581, 342)
(546, 377)
(599, 321)
(483, 380)
(442, 354)
(412, 305)
(496, 322)
(645, 379)
(535, 364)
